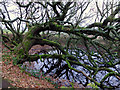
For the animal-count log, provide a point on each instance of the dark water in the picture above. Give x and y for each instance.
(72, 75)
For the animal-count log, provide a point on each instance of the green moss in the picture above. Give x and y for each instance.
(32, 28)
(27, 44)
(35, 27)
(62, 28)
(15, 43)
(54, 22)
(29, 36)
(20, 51)
(93, 85)
(59, 27)
(52, 42)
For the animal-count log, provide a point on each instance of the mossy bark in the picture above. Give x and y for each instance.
(32, 38)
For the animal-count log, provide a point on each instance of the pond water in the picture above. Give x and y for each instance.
(72, 75)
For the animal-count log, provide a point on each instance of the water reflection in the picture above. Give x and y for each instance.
(61, 70)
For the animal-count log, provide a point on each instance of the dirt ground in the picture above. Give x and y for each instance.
(13, 76)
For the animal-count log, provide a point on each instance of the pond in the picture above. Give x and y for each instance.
(57, 68)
